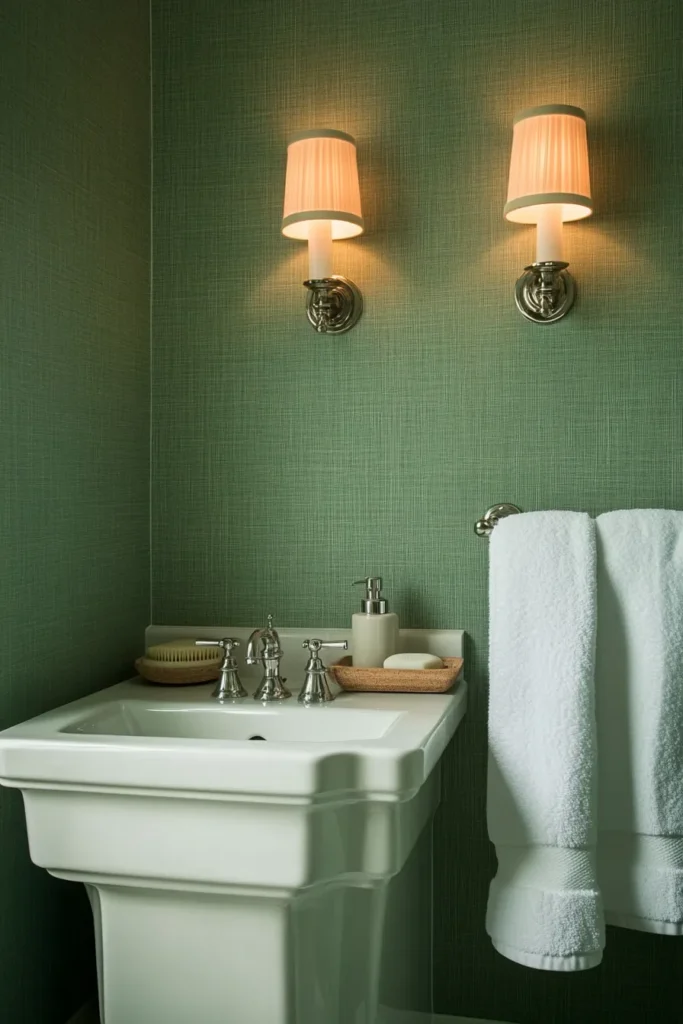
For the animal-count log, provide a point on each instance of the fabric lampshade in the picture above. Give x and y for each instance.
(549, 165)
(322, 185)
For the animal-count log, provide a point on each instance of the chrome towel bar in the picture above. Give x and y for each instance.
(484, 526)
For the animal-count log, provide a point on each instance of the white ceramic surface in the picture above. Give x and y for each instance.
(234, 880)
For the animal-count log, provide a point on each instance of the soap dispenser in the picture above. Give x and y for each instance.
(374, 630)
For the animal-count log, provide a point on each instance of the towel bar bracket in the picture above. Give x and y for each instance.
(484, 526)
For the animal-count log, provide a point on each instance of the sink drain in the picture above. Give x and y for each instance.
(257, 738)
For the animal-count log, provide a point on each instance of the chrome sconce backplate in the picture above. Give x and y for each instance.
(545, 292)
(333, 304)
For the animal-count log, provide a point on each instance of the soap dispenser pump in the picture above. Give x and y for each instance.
(374, 630)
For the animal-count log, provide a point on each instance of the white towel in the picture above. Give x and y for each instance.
(639, 679)
(544, 907)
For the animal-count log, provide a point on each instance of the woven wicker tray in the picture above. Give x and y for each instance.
(397, 680)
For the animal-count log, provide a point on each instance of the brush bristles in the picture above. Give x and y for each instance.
(183, 650)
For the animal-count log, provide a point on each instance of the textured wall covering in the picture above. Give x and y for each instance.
(74, 380)
(287, 465)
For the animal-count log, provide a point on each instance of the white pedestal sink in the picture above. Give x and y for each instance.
(234, 879)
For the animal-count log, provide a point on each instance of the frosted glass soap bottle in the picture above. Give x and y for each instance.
(374, 630)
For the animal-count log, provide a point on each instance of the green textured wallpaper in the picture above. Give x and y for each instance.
(287, 465)
(74, 421)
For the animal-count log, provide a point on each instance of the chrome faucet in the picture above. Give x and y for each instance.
(272, 686)
(316, 688)
(229, 686)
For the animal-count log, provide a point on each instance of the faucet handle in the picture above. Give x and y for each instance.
(315, 645)
(227, 643)
(316, 689)
(229, 685)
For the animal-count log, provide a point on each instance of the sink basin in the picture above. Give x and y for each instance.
(208, 853)
(282, 724)
(179, 740)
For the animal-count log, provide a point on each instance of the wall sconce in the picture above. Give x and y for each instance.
(549, 183)
(322, 203)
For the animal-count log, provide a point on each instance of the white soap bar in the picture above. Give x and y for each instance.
(413, 661)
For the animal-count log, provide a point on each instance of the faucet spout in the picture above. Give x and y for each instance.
(268, 636)
(263, 647)
(252, 656)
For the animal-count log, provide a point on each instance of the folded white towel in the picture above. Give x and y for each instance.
(544, 907)
(639, 681)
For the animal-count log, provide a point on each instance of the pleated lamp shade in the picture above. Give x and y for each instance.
(322, 185)
(549, 165)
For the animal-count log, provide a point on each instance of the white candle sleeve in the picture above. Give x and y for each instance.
(320, 250)
(549, 233)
